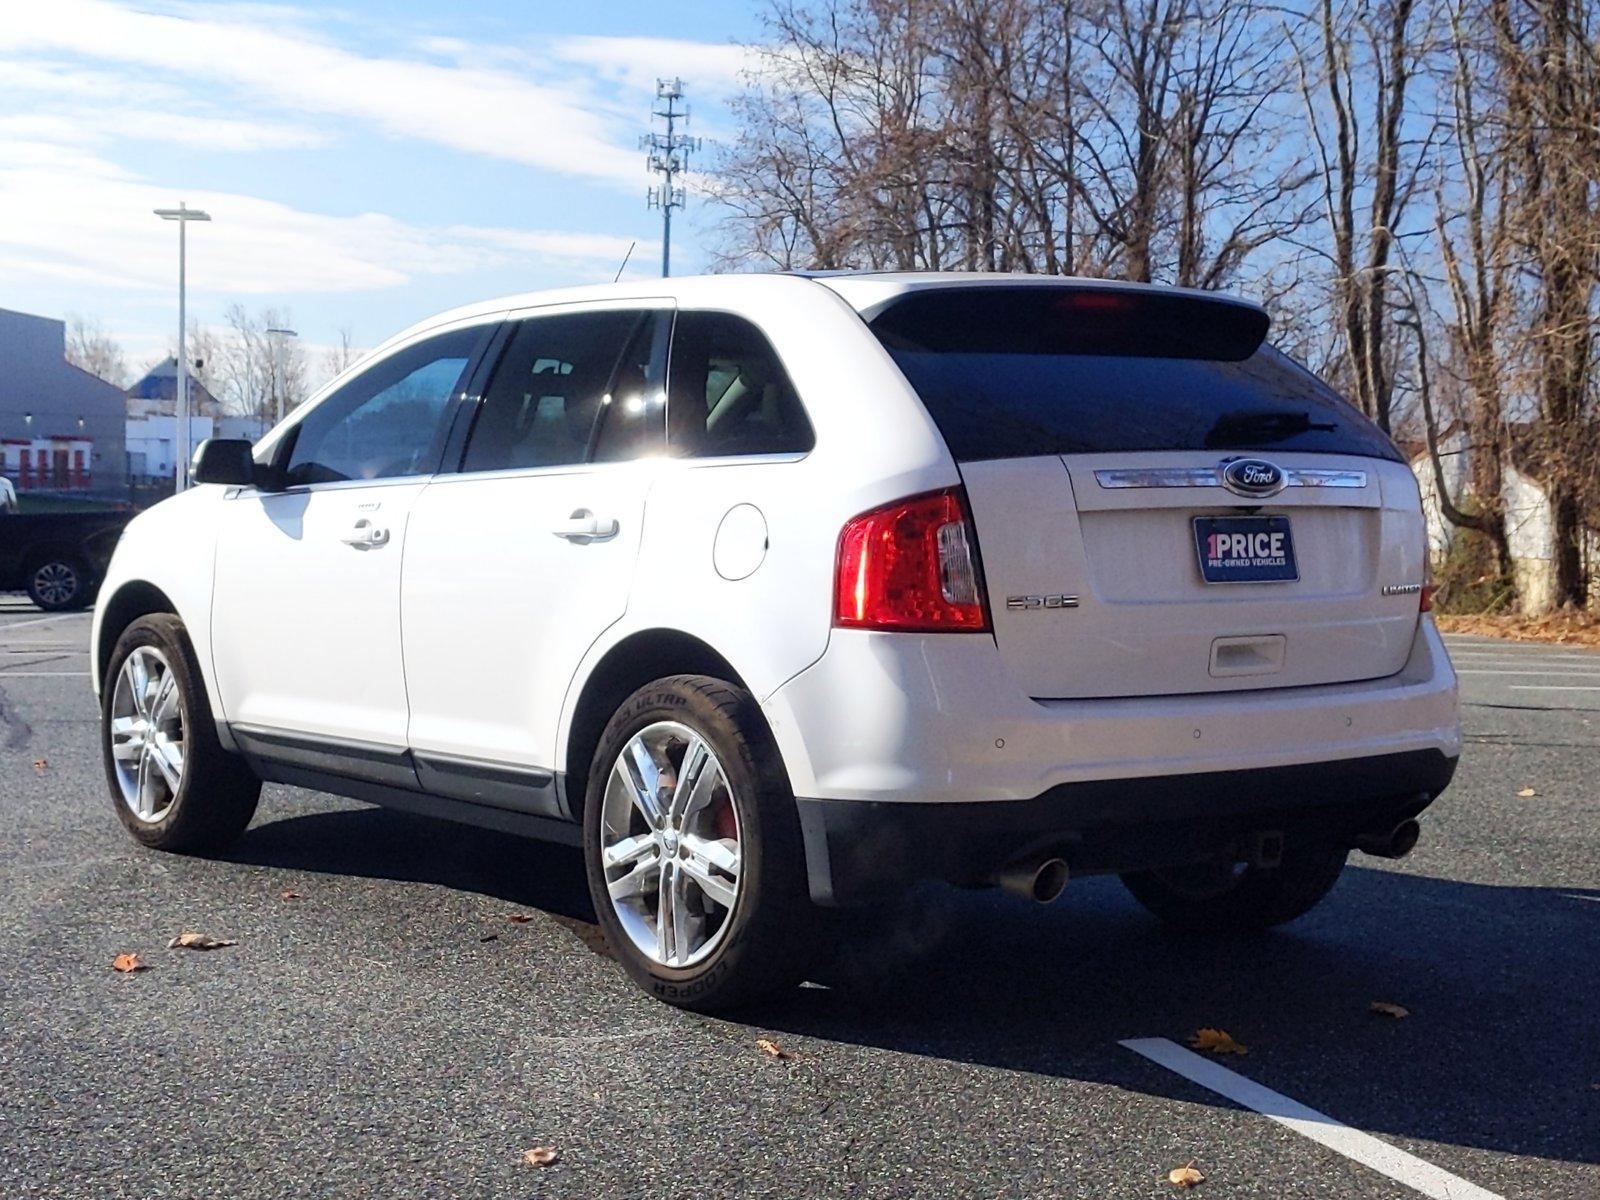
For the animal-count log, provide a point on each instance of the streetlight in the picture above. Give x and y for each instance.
(182, 215)
(278, 365)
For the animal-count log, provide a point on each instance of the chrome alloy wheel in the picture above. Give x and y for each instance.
(147, 733)
(669, 844)
(55, 583)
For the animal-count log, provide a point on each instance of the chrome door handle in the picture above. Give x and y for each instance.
(364, 535)
(584, 526)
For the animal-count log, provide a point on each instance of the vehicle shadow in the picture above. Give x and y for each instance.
(1500, 1050)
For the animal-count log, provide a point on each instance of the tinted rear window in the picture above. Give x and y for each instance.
(1013, 372)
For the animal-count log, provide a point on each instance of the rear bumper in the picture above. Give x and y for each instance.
(918, 758)
(936, 718)
(861, 850)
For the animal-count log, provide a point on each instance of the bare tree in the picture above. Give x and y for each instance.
(342, 355)
(261, 372)
(92, 349)
(1549, 80)
(1356, 70)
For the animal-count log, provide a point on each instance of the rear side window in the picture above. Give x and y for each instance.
(1013, 372)
(728, 393)
(546, 393)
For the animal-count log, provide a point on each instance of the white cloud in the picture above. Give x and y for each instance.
(70, 216)
(481, 110)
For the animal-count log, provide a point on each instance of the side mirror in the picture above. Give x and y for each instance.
(223, 460)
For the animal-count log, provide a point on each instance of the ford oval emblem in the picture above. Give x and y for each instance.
(1253, 477)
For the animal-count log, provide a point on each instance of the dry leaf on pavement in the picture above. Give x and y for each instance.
(198, 941)
(127, 963)
(1526, 792)
(771, 1049)
(1216, 1041)
(290, 894)
(518, 918)
(40, 764)
(1185, 1176)
(1385, 1008)
(540, 1156)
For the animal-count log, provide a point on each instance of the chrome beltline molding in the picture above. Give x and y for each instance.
(1207, 477)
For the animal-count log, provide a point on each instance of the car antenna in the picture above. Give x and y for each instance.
(625, 259)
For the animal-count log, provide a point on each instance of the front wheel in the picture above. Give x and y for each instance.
(1225, 897)
(693, 847)
(172, 784)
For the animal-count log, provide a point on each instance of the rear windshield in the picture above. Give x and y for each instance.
(1013, 372)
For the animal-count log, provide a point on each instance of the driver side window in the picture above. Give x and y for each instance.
(389, 421)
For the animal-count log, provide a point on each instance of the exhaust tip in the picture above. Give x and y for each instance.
(1040, 881)
(1050, 880)
(1393, 843)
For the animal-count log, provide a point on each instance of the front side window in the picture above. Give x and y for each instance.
(547, 392)
(387, 422)
(728, 393)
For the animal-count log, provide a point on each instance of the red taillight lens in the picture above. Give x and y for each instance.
(911, 566)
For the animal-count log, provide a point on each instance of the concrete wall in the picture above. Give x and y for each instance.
(64, 402)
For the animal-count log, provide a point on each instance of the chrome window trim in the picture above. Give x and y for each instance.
(1209, 477)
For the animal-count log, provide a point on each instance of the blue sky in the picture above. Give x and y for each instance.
(365, 163)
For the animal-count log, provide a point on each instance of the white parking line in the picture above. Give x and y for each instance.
(1408, 1169)
(1561, 672)
(1555, 687)
(44, 674)
(7, 626)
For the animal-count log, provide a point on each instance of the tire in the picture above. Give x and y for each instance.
(723, 956)
(59, 583)
(216, 791)
(1217, 897)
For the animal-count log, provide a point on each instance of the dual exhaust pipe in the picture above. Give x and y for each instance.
(1042, 880)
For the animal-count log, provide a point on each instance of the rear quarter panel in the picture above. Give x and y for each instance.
(874, 443)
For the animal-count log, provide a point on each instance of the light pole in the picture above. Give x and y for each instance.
(183, 214)
(278, 366)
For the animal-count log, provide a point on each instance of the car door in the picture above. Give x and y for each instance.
(518, 562)
(306, 607)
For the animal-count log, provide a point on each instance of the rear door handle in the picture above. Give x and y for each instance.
(364, 535)
(584, 526)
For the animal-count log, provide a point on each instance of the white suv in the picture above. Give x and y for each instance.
(779, 594)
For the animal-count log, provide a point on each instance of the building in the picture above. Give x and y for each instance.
(61, 429)
(152, 428)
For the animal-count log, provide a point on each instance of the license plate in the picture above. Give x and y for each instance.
(1245, 549)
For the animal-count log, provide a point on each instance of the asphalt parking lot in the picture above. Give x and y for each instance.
(389, 1032)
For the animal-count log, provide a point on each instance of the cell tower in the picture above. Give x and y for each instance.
(669, 157)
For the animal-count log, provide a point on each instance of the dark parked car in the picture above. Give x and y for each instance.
(58, 558)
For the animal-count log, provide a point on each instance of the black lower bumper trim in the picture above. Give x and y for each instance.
(860, 850)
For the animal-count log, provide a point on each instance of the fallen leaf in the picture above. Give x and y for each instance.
(518, 918)
(1185, 1176)
(540, 1156)
(198, 941)
(1216, 1041)
(771, 1049)
(1526, 792)
(490, 937)
(40, 764)
(291, 895)
(1384, 1008)
(128, 963)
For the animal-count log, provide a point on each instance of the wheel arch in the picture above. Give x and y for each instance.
(134, 599)
(620, 671)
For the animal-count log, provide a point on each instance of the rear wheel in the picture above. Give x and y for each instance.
(693, 847)
(1228, 897)
(58, 583)
(172, 784)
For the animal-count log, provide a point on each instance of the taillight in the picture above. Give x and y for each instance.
(1427, 575)
(911, 566)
